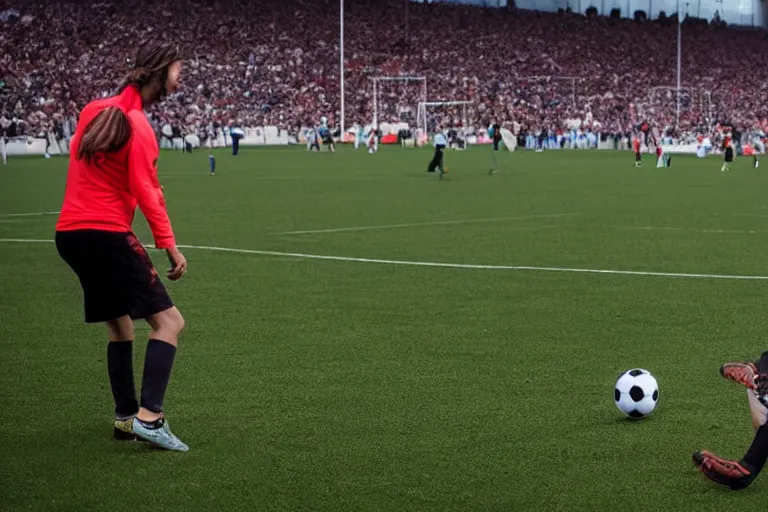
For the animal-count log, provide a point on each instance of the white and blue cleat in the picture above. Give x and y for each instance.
(160, 436)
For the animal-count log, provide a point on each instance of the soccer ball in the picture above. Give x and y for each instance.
(636, 393)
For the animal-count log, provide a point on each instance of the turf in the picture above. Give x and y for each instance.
(306, 384)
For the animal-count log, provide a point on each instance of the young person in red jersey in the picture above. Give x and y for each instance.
(112, 170)
(739, 474)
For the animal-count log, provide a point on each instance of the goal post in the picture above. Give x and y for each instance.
(424, 106)
(378, 81)
(663, 97)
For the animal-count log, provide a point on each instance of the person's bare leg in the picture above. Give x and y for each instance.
(121, 329)
(758, 411)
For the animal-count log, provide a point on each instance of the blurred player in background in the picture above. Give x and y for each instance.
(728, 152)
(313, 143)
(325, 134)
(212, 161)
(740, 474)
(759, 149)
(237, 134)
(494, 132)
(636, 149)
(3, 150)
(359, 135)
(373, 140)
(440, 142)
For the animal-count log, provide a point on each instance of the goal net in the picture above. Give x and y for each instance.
(661, 106)
(395, 101)
(447, 114)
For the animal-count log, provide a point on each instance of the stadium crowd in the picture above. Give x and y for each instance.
(276, 62)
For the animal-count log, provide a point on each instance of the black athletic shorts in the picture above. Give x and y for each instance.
(116, 274)
(729, 154)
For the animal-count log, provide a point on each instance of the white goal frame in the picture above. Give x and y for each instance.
(424, 105)
(378, 79)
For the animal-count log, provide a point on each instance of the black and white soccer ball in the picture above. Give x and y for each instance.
(636, 393)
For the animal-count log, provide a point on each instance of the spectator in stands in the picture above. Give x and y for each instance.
(281, 67)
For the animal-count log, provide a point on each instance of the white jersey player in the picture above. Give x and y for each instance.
(759, 143)
(372, 141)
(3, 151)
(359, 134)
(311, 139)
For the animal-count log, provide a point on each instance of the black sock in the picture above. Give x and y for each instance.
(158, 364)
(120, 368)
(758, 452)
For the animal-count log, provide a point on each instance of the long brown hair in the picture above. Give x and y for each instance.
(110, 131)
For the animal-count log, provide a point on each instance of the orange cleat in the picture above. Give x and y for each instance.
(733, 474)
(741, 373)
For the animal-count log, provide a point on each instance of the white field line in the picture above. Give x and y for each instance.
(421, 224)
(206, 174)
(692, 230)
(18, 220)
(34, 214)
(444, 265)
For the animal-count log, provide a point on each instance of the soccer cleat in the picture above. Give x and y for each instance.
(159, 434)
(123, 430)
(753, 376)
(740, 373)
(733, 474)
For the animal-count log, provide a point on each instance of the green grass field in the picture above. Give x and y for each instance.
(335, 384)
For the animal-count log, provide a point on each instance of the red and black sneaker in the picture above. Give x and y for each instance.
(753, 376)
(733, 474)
(741, 373)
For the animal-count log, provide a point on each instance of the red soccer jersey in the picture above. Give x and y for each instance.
(636, 145)
(103, 195)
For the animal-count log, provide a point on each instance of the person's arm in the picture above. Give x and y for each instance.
(145, 187)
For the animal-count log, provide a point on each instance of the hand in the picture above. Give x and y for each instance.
(178, 264)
